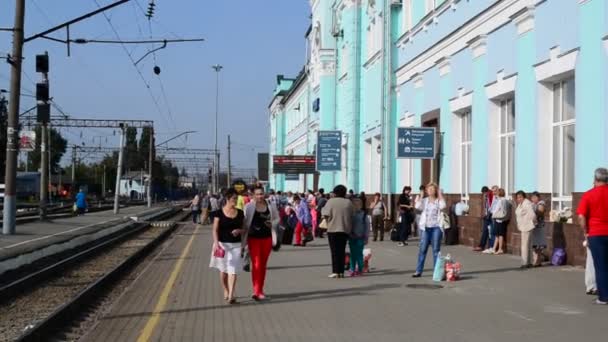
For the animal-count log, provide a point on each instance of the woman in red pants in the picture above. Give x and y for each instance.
(260, 226)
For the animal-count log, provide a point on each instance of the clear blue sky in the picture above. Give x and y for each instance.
(254, 39)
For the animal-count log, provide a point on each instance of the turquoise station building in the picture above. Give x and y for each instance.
(516, 89)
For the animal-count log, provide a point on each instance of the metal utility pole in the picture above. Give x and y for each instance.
(103, 183)
(44, 165)
(44, 155)
(150, 167)
(73, 190)
(119, 169)
(10, 190)
(216, 167)
(229, 166)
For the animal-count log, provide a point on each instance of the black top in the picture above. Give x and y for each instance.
(260, 225)
(227, 225)
(404, 200)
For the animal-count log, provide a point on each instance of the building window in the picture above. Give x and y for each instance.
(407, 15)
(466, 143)
(345, 60)
(430, 5)
(374, 35)
(564, 113)
(507, 145)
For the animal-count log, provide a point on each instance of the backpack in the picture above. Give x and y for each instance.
(359, 229)
(559, 257)
(292, 220)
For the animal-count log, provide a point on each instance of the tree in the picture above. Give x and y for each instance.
(144, 145)
(133, 160)
(58, 147)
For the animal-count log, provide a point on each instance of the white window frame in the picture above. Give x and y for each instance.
(374, 35)
(430, 5)
(345, 60)
(504, 136)
(465, 174)
(407, 15)
(559, 202)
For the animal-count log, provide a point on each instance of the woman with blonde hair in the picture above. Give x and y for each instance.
(431, 208)
(501, 217)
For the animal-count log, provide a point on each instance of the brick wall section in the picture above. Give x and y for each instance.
(568, 236)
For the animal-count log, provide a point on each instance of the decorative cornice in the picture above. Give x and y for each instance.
(524, 20)
(489, 20)
(478, 45)
(559, 65)
(444, 65)
(462, 102)
(328, 68)
(502, 87)
(349, 4)
(418, 81)
(373, 59)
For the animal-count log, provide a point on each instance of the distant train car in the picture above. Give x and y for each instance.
(28, 185)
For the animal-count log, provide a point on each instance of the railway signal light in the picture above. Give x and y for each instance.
(42, 92)
(43, 112)
(42, 63)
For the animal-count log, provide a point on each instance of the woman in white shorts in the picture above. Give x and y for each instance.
(227, 231)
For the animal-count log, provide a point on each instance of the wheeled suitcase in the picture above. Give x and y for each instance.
(280, 234)
(287, 236)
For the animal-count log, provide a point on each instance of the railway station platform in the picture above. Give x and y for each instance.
(178, 298)
(34, 237)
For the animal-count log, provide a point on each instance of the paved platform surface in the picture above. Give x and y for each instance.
(178, 298)
(34, 235)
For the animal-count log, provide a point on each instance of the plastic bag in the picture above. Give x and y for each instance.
(439, 271)
(452, 271)
(367, 256)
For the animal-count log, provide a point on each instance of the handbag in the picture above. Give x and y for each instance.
(323, 224)
(246, 261)
(501, 213)
(445, 221)
(219, 252)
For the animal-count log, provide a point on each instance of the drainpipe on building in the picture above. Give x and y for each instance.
(383, 105)
(386, 104)
(333, 173)
(306, 106)
(354, 143)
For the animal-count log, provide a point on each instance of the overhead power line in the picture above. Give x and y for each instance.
(136, 68)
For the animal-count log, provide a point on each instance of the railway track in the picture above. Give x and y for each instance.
(60, 301)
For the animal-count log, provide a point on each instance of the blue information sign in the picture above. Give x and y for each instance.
(329, 151)
(292, 177)
(416, 142)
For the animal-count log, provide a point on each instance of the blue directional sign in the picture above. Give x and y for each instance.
(292, 177)
(416, 142)
(329, 151)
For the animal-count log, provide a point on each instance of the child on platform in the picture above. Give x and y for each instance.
(358, 238)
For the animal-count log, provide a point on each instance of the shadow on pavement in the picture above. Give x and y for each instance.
(297, 266)
(275, 299)
(307, 248)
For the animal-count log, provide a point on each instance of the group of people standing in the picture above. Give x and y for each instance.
(246, 236)
(497, 213)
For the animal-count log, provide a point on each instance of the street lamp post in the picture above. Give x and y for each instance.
(216, 164)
